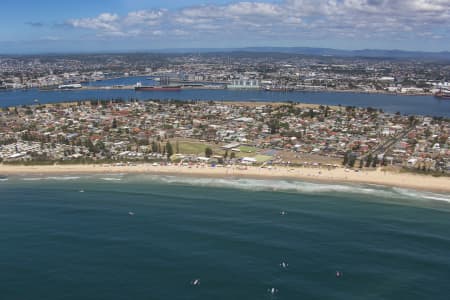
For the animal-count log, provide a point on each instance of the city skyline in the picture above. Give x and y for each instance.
(138, 25)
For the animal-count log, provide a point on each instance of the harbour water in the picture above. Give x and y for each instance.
(151, 237)
(419, 105)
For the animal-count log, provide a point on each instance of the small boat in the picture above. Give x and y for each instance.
(443, 94)
(195, 282)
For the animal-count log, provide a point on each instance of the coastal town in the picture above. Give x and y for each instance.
(234, 70)
(223, 133)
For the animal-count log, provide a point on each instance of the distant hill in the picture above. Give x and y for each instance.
(369, 53)
(273, 51)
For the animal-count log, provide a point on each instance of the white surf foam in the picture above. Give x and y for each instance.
(302, 187)
(63, 178)
(111, 179)
(272, 185)
(423, 195)
(33, 179)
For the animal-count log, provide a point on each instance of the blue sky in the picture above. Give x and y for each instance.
(121, 25)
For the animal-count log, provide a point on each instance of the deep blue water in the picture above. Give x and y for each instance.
(59, 243)
(420, 105)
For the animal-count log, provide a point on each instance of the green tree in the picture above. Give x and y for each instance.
(346, 158)
(154, 147)
(208, 152)
(274, 125)
(169, 150)
(351, 160)
(375, 161)
(369, 160)
(91, 146)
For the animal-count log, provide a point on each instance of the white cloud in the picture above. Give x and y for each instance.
(145, 17)
(105, 21)
(290, 19)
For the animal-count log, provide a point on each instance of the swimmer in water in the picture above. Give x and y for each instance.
(283, 213)
(339, 274)
(272, 291)
(284, 265)
(131, 213)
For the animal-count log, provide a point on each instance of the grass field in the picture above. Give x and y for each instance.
(197, 148)
(248, 149)
(262, 158)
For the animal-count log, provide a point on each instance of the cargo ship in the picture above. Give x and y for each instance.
(70, 86)
(443, 94)
(278, 89)
(157, 88)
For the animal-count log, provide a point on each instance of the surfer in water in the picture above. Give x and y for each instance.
(195, 282)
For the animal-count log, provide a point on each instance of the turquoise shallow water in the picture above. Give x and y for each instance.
(60, 243)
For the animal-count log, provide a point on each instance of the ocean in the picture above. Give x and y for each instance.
(163, 237)
(416, 105)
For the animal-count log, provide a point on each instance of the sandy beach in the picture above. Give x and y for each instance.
(338, 175)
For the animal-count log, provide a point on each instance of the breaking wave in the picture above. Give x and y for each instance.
(111, 179)
(303, 187)
(62, 178)
(261, 185)
(33, 179)
(424, 195)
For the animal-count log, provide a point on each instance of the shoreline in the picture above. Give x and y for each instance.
(307, 90)
(338, 176)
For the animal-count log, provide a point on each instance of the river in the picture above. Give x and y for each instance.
(416, 105)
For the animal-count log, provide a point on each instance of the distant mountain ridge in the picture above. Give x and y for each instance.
(308, 51)
(370, 53)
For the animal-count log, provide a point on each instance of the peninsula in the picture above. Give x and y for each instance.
(235, 139)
